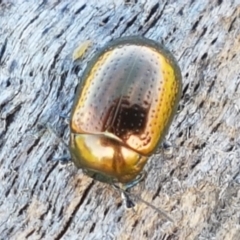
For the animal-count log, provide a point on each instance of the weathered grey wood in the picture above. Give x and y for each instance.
(199, 185)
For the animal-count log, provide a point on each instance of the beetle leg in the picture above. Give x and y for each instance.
(66, 118)
(65, 159)
(52, 131)
(125, 196)
(138, 179)
(125, 188)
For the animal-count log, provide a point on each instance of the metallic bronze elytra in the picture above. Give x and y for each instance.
(123, 108)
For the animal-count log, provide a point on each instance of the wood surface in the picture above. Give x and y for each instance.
(198, 185)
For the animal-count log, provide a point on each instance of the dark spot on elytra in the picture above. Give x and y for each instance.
(124, 118)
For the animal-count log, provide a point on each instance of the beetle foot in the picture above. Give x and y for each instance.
(64, 160)
(128, 201)
(167, 147)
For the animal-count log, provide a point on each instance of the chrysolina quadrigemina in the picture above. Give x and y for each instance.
(124, 105)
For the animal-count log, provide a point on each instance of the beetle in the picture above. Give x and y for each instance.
(123, 108)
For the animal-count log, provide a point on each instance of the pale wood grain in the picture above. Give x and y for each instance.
(199, 185)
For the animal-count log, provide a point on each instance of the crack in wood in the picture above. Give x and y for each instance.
(70, 219)
(80, 9)
(155, 19)
(2, 51)
(129, 24)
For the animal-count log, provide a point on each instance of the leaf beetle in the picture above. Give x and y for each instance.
(124, 105)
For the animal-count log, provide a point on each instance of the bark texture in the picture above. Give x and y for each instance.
(198, 184)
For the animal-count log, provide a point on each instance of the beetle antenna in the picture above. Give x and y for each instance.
(51, 130)
(130, 203)
(161, 212)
